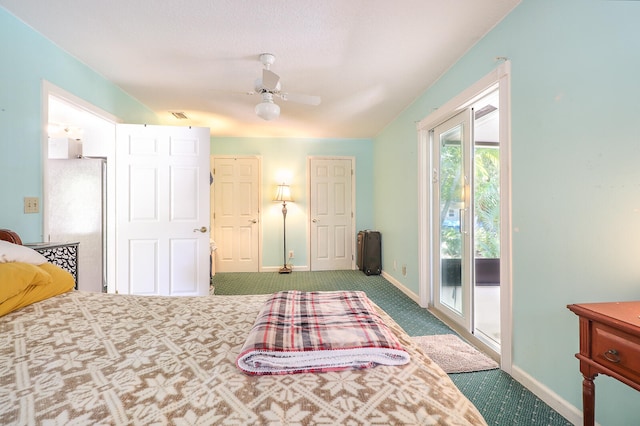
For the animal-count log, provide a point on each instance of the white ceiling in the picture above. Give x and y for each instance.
(367, 59)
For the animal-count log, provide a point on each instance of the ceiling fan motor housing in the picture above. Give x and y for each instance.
(259, 87)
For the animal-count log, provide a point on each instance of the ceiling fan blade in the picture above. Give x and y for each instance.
(270, 80)
(301, 99)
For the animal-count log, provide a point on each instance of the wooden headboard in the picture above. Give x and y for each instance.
(8, 235)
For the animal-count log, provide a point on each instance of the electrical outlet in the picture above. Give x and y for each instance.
(31, 205)
(404, 270)
(290, 254)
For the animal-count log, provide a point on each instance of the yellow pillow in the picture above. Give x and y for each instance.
(61, 282)
(16, 276)
(61, 279)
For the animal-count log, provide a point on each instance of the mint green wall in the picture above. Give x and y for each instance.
(576, 178)
(289, 155)
(27, 59)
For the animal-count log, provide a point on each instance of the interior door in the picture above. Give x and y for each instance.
(452, 218)
(162, 210)
(236, 202)
(332, 237)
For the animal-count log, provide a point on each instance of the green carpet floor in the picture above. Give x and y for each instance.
(500, 399)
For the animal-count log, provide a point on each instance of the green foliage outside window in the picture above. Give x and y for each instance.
(486, 201)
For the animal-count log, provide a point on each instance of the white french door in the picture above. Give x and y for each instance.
(331, 213)
(467, 219)
(162, 210)
(236, 213)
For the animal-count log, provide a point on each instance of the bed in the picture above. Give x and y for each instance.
(90, 358)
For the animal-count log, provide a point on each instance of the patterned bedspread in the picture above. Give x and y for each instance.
(87, 359)
(298, 332)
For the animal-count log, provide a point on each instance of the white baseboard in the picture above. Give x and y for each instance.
(552, 399)
(277, 268)
(401, 287)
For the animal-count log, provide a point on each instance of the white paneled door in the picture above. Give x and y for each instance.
(331, 214)
(162, 210)
(236, 201)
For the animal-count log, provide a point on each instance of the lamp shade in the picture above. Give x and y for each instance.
(283, 194)
(267, 110)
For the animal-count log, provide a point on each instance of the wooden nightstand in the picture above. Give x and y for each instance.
(609, 344)
(64, 255)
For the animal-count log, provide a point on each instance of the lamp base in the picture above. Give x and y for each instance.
(285, 270)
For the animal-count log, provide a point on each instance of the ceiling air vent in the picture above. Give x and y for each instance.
(179, 115)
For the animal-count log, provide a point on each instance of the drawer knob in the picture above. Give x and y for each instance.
(612, 356)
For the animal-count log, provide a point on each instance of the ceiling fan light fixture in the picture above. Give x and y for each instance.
(266, 109)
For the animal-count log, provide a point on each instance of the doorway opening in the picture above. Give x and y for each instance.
(465, 215)
(466, 218)
(78, 140)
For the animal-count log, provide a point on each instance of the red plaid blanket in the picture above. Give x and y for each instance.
(297, 332)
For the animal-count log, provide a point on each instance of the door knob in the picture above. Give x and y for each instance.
(315, 220)
(203, 229)
(253, 221)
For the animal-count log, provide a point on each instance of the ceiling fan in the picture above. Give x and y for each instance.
(269, 86)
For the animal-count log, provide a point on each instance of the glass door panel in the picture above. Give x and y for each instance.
(451, 215)
(452, 224)
(487, 220)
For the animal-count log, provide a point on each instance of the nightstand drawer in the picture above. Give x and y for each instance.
(616, 350)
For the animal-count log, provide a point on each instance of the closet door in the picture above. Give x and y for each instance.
(236, 201)
(331, 206)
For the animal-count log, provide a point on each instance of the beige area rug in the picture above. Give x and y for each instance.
(453, 354)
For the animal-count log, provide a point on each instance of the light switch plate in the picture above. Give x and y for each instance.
(31, 205)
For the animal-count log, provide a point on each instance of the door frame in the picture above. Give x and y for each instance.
(260, 202)
(353, 204)
(500, 78)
